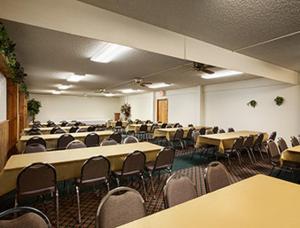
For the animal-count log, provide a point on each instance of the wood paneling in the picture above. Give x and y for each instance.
(22, 112)
(162, 110)
(4, 134)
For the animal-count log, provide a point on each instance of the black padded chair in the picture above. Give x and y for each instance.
(231, 129)
(91, 128)
(92, 140)
(215, 130)
(35, 148)
(36, 140)
(202, 131)
(116, 136)
(73, 129)
(273, 135)
(63, 141)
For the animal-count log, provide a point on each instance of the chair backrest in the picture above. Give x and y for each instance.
(63, 123)
(144, 127)
(73, 129)
(202, 131)
(164, 125)
(64, 140)
(273, 150)
(191, 125)
(116, 136)
(231, 129)
(30, 218)
(59, 131)
(153, 127)
(34, 131)
(258, 142)
(248, 143)
(190, 133)
(221, 131)
(75, 144)
(108, 142)
(95, 169)
(273, 135)
(36, 140)
(178, 189)
(215, 130)
(116, 209)
(282, 144)
(294, 141)
(216, 176)
(178, 134)
(81, 129)
(164, 159)
(238, 143)
(119, 124)
(91, 128)
(51, 124)
(92, 139)
(195, 135)
(134, 163)
(130, 139)
(176, 125)
(34, 148)
(35, 179)
(53, 130)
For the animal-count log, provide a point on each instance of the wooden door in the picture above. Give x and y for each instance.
(162, 110)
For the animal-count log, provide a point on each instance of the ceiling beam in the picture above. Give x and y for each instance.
(81, 19)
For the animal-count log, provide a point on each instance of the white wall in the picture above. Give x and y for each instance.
(226, 106)
(61, 107)
(142, 106)
(184, 105)
(2, 98)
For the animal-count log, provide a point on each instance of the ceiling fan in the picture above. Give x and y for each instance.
(203, 67)
(141, 82)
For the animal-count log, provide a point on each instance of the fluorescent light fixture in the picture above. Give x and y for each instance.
(63, 87)
(158, 85)
(131, 90)
(75, 78)
(111, 94)
(108, 52)
(56, 92)
(221, 74)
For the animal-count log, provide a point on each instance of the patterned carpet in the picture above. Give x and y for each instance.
(191, 166)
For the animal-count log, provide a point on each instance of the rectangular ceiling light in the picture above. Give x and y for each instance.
(75, 78)
(131, 90)
(221, 74)
(56, 92)
(158, 85)
(108, 52)
(63, 87)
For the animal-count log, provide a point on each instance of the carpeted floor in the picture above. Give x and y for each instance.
(185, 163)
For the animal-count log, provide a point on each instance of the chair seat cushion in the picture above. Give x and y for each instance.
(28, 220)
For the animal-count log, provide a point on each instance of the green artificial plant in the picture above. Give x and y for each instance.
(33, 107)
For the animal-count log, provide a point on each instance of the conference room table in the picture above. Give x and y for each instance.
(46, 130)
(136, 127)
(168, 133)
(51, 139)
(112, 123)
(259, 201)
(225, 140)
(291, 154)
(68, 163)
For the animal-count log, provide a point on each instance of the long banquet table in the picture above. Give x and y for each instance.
(68, 162)
(259, 201)
(51, 139)
(225, 140)
(46, 130)
(291, 154)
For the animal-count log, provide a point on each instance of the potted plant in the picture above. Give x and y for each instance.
(252, 103)
(33, 107)
(279, 100)
(126, 110)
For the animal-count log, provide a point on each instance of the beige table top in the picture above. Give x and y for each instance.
(254, 202)
(291, 154)
(75, 135)
(42, 129)
(63, 156)
(230, 135)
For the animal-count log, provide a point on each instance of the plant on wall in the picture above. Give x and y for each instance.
(7, 49)
(252, 103)
(279, 100)
(33, 107)
(126, 110)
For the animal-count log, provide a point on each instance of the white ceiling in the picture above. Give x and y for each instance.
(49, 56)
(265, 29)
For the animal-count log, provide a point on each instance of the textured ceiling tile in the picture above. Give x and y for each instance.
(231, 24)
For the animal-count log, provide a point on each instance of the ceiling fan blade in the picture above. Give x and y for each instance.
(208, 71)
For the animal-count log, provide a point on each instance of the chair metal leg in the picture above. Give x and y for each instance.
(152, 186)
(57, 208)
(107, 185)
(118, 181)
(144, 185)
(249, 155)
(239, 157)
(262, 157)
(78, 204)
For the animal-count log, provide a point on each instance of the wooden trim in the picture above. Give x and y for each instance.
(4, 139)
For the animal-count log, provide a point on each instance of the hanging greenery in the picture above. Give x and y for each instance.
(126, 110)
(279, 100)
(33, 107)
(7, 49)
(252, 103)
